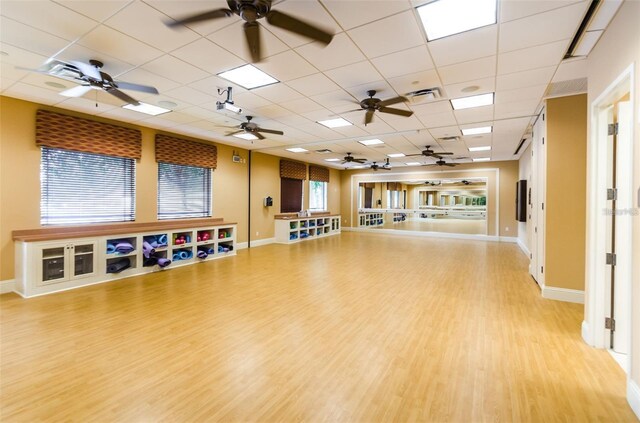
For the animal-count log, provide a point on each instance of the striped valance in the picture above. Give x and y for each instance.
(183, 152)
(293, 170)
(318, 173)
(394, 186)
(66, 132)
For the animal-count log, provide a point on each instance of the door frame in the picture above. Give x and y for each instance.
(594, 332)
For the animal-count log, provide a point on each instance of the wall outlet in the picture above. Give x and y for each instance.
(257, 233)
(506, 229)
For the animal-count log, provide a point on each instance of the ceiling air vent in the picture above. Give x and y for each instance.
(324, 151)
(566, 88)
(452, 138)
(424, 95)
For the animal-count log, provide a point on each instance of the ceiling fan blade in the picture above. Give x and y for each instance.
(270, 131)
(398, 112)
(384, 168)
(122, 96)
(390, 101)
(449, 164)
(258, 135)
(136, 87)
(77, 91)
(87, 69)
(443, 154)
(360, 160)
(368, 117)
(414, 155)
(292, 24)
(252, 34)
(234, 132)
(213, 14)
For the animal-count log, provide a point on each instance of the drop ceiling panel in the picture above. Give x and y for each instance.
(32, 93)
(308, 11)
(301, 105)
(464, 47)
(515, 109)
(211, 85)
(449, 131)
(532, 58)
(383, 91)
(112, 66)
(485, 85)
(286, 66)
(336, 100)
(175, 69)
(232, 38)
(208, 56)
(510, 126)
(178, 9)
(468, 71)
(18, 57)
(340, 52)
(350, 14)
(415, 81)
(530, 93)
(353, 75)
(87, 104)
(386, 35)
(277, 93)
(571, 69)
(190, 95)
(123, 115)
(313, 84)
(98, 10)
(116, 44)
(516, 9)
(248, 100)
(141, 76)
(475, 114)
(27, 38)
(412, 60)
(525, 79)
(401, 123)
(543, 28)
(433, 120)
(272, 111)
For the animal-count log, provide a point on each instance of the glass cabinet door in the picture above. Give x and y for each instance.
(53, 264)
(83, 259)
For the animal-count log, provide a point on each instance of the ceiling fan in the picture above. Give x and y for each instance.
(350, 159)
(90, 77)
(433, 183)
(373, 104)
(375, 167)
(252, 10)
(441, 162)
(253, 129)
(430, 153)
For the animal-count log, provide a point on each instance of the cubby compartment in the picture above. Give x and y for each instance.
(205, 251)
(181, 254)
(181, 238)
(117, 265)
(205, 236)
(290, 230)
(225, 233)
(121, 246)
(293, 225)
(156, 241)
(225, 247)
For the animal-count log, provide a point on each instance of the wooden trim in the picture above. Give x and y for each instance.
(83, 231)
(289, 216)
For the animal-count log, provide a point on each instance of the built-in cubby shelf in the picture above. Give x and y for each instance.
(296, 229)
(370, 219)
(66, 263)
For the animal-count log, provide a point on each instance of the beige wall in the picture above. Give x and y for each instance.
(508, 174)
(566, 192)
(619, 48)
(525, 231)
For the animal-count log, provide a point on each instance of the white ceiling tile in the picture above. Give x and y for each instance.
(321, 114)
(286, 66)
(401, 123)
(336, 101)
(485, 85)
(515, 109)
(525, 79)
(175, 69)
(118, 45)
(382, 89)
(447, 131)
(232, 38)
(350, 14)
(509, 126)
(301, 105)
(41, 80)
(293, 120)
(156, 99)
(277, 93)
(179, 9)
(199, 112)
(388, 35)
(308, 11)
(208, 56)
(49, 17)
(431, 107)
(211, 85)
(415, 81)
(27, 38)
(340, 52)
(353, 75)
(248, 100)
(32, 93)
(532, 58)
(15, 56)
(412, 60)
(180, 117)
(435, 120)
(87, 104)
(543, 28)
(419, 139)
(313, 84)
(272, 111)
(351, 131)
(5, 83)
(141, 76)
(123, 115)
(516, 9)
(571, 69)
(467, 46)
(112, 66)
(530, 93)
(145, 23)
(468, 71)
(475, 114)
(190, 95)
(378, 126)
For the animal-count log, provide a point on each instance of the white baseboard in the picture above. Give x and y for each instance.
(7, 286)
(524, 248)
(563, 294)
(586, 333)
(256, 243)
(633, 396)
(511, 239)
(241, 245)
(426, 234)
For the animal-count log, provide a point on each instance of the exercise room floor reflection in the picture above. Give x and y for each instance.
(457, 226)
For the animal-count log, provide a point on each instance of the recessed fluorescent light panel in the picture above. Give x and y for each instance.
(472, 101)
(246, 136)
(413, 163)
(371, 142)
(442, 18)
(483, 148)
(148, 109)
(482, 159)
(248, 76)
(297, 150)
(394, 155)
(331, 160)
(335, 123)
(477, 131)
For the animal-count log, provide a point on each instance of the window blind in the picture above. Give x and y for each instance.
(290, 195)
(183, 191)
(78, 187)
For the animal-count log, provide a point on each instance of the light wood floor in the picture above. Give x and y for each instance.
(358, 327)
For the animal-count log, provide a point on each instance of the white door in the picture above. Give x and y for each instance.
(538, 182)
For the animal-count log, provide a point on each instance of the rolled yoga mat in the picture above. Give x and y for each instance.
(119, 266)
(162, 241)
(211, 251)
(147, 249)
(202, 254)
(111, 248)
(163, 262)
(176, 256)
(124, 248)
(183, 255)
(150, 261)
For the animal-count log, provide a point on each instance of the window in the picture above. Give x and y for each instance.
(81, 187)
(183, 191)
(317, 195)
(291, 195)
(393, 199)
